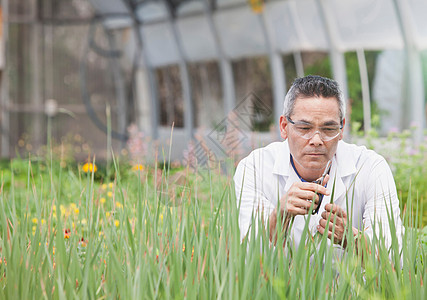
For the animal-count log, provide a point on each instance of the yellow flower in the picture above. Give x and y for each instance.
(104, 186)
(43, 221)
(54, 207)
(107, 214)
(101, 233)
(102, 200)
(116, 223)
(110, 194)
(111, 185)
(73, 205)
(76, 211)
(35, 220)
(161, 217)
(138, 167)
(89, 167)
(119, 205)
(256, 5)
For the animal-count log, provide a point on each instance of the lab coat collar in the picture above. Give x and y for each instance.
(343, 165)
(283, 160)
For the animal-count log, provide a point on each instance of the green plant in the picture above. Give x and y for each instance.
(65, 235)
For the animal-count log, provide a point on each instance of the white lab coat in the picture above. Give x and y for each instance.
(364, 187)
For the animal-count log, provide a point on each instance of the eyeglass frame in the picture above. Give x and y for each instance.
(317, 131)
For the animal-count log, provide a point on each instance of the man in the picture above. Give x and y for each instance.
(278, 180)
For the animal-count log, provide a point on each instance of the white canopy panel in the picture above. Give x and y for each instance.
(418, 9)
(365, 24)
(296, 25)
(191, 7)
(230, 3)
(240, 32)
(152, 12)
(115, 12)
(197, 39)
(159, 44)
(293, 25)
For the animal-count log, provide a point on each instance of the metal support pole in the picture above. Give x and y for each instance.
(279, 86)
(4, 86)
(365, 89)
(226, 70)
(185, 77)
(155, 114)
(337, 57)
(150, 83)
(277, 73)
(119, 86)
(414, 74)
(188, 101)
(299, 65)
(147, 104)
(146, 75)
(37, 98)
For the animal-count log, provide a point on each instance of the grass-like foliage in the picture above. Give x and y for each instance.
(153, 234)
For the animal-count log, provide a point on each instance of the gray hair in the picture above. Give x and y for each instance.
(310, 86)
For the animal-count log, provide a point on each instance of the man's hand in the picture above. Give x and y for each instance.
(298, 200)
(334, 212)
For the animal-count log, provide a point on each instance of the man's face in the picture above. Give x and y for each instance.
(311, 155)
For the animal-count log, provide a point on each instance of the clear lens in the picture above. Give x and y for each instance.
(325, 136)
(307, 131)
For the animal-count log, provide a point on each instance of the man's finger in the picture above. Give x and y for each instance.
(307, 195)
(297, 210)
(339, 221)
(335, 209)
(321, 229)
(314, 187)
(326, 180)
(330, 225)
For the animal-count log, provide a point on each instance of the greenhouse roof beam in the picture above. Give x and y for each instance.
(226, 70)
(142, 59)
(184, 74)
(277, 70)
(337, 56)
(366, 99)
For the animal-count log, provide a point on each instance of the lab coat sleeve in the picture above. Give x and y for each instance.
(382, 204)
(251, 200)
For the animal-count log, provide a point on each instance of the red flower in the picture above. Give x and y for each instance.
(67, 233)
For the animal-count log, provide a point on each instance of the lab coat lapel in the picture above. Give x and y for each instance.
(282, 168)
(343, 165)
(336, 184)
(292, 178)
